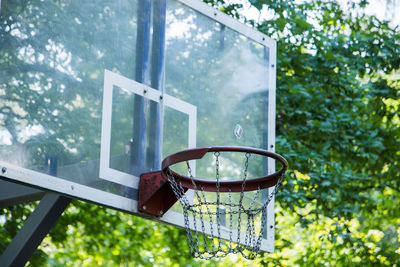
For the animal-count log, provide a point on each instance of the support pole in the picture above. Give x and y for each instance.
(14, 194)
(155, 125)
(138, 146)
(36, 227)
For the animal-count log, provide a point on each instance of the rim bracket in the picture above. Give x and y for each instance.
(155, 194)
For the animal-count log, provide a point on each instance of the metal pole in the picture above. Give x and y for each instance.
(138, 146)
(51, 164)
(155, 127)
(222, 37)
(13, 194)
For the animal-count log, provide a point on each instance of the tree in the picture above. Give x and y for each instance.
(338, 123)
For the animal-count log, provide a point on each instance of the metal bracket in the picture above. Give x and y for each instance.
(36, 227)
(155, 194)
(13, 194)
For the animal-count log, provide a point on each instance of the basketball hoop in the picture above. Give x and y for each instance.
(208, 232)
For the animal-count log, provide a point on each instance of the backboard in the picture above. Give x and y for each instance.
(94, 94)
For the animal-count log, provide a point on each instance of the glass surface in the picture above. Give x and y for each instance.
(175, 135)
(54, 55)
(122, 130)
(225, 75)
(219, 71)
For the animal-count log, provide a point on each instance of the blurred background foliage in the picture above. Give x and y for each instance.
(338, 125)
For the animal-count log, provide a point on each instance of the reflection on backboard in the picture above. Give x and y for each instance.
(90, 105)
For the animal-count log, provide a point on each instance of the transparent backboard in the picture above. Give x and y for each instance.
(94, 94)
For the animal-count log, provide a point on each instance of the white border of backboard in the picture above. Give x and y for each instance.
(112, 79)
(271, 143)
(83, 192)
(230, 22)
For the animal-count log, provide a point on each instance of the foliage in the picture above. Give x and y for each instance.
(337, 123)
(114, 238)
